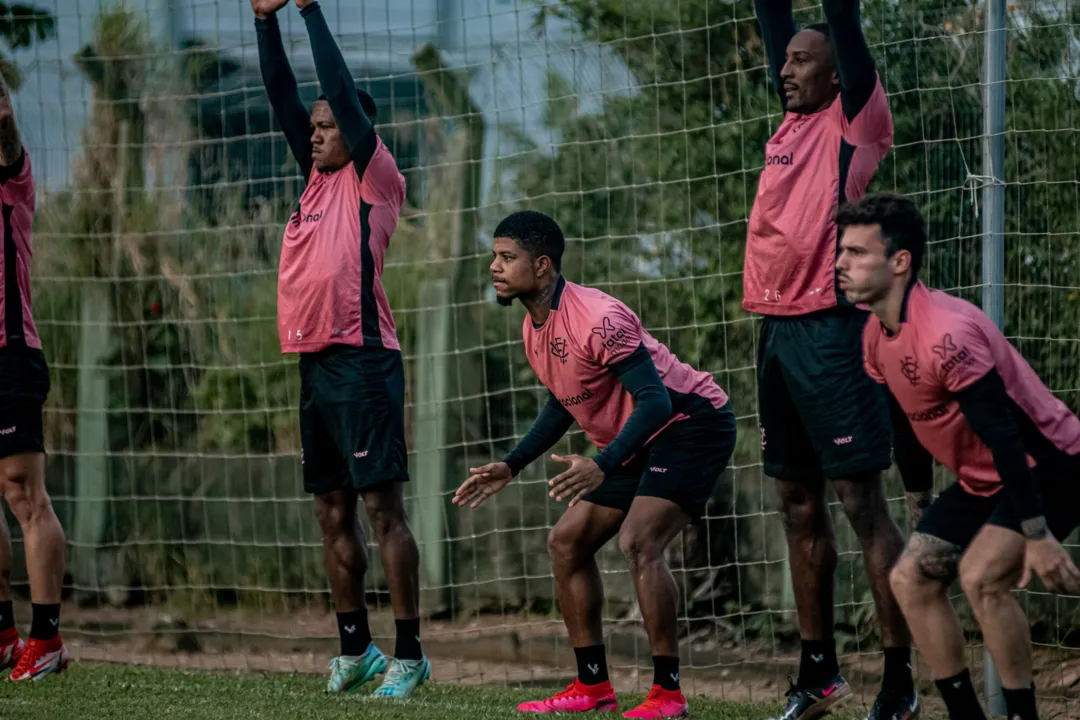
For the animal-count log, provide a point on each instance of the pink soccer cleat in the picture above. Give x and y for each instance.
(41, 659)
(661, 703)
(11, 648)
(577, 697)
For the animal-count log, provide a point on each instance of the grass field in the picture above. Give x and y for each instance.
(111, 692)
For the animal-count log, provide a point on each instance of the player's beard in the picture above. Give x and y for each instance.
(505, 300)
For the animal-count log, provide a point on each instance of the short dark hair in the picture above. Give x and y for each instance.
(901, 224)
(367, 103)
(537, 233)
(822, 28)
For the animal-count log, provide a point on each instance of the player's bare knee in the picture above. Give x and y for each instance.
(639, 547)
(987, 580)
(564, 547)
(334, 516)
(801, 515)
(386, 515)
(26, 497)
(864, 503)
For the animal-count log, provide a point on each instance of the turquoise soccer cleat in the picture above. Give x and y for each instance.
(403, 677)
(349, 673)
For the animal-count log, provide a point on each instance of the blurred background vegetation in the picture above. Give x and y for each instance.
(171, 423)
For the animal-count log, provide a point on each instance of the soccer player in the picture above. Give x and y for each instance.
(959, 390)
(665, 433)
(24, 385)
(821, 418)
(332, 309)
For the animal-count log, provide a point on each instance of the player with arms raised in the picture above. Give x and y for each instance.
(665, 432)
(24, 385)
(821, 417)
(960, 391)
(332, 309)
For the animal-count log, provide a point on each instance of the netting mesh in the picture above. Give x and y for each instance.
(172, 427)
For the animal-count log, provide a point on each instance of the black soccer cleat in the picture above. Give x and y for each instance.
(892, 705)
(809, 703)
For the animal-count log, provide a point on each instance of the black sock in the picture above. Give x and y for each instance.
(666, 671)
(407, 645)
(591, 665)
(7, 616)
(898, 670)
(354, 632)
(818, 664)
(959, 696)
(45, 623)
(1020, 704)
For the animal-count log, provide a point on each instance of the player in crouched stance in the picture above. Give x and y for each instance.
(960, 391)
(665, 431)
(24, 385)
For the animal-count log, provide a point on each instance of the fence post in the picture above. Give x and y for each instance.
(993, 228)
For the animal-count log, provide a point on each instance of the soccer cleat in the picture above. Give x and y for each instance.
(810, 703)
(11, 648)
(577, 697)
(892, 705)
(403, 677)
(348, 673)
(40, 659)
(661, 703)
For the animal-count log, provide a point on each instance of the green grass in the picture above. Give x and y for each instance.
(107, 692)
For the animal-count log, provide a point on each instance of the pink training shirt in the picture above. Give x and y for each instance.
(812, 164)
(586, 332)
(329, 280)
(17, 200)
(943, 346)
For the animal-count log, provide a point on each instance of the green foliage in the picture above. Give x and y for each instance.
(653, 188)
(20, 27)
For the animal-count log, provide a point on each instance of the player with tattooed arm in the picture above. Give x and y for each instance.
(665, 432)
(961, 393)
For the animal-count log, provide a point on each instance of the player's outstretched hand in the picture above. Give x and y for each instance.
(484, 482)
(1050, 561)
(266, 8)
(583, 477)
(303, 3)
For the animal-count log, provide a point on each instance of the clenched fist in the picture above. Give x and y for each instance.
(265, 8)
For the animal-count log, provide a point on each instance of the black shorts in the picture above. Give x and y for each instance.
(682, 464)
(821, 415)
(352, 418)
(956, 516)
(24, 385)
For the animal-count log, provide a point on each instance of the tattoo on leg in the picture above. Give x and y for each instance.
(935, 558)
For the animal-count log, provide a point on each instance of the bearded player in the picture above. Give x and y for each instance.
(332, 309)
(24, 385)
(821, 418)
(665, 433)
(962, 392)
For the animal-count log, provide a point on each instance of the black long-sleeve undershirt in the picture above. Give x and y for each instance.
(282, 91)
(549, 426)
(340, 90)
(854, 64)
(915, 463)
(652, 408)
(987, 407)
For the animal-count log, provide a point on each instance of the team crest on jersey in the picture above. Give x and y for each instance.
(910, 367)
(558, 349)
